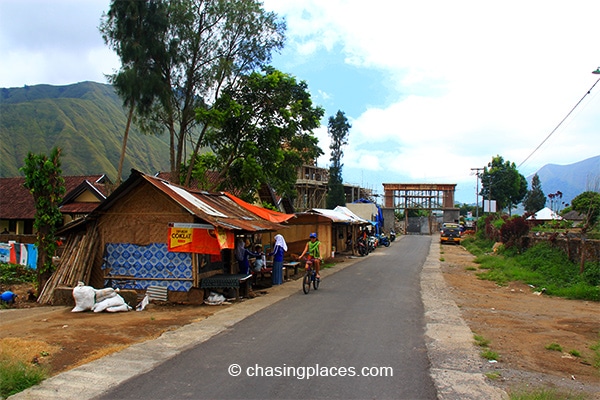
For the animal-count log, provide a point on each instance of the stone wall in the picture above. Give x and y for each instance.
(572, 244)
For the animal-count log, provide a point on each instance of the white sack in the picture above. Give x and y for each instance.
(105, 293)
(122, 307)
(114, 301)
(84, 297)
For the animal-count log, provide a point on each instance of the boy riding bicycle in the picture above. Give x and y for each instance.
(313, 249)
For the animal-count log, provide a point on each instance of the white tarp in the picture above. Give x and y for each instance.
(348, 212)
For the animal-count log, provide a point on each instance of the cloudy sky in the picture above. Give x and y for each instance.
(432, 88)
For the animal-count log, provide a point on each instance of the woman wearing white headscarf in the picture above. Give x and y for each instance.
(278, 250)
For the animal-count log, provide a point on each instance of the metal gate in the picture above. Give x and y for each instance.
(420, 225)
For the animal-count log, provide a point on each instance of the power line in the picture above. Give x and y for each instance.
(560, 123)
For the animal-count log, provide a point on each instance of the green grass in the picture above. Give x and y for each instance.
(540, 266)
(544, 394)
(16, 376)
(481, 341)
(554, 347)
(493, 375)
(489, 355)
(575, 353)
(596, 349)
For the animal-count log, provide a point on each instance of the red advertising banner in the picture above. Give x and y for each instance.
(198, 238)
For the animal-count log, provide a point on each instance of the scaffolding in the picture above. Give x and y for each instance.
(422, 196)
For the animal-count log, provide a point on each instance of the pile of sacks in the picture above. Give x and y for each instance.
(98, 300)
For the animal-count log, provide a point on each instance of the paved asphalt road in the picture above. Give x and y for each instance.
(365, 320)
(390, 313)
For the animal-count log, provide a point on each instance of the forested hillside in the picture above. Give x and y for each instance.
(86, 120)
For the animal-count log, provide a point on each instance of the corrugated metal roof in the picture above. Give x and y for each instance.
(216, 209)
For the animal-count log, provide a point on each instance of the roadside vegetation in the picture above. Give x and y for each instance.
(20, 365)
(13, 274)
(543, 267)
(544, 394)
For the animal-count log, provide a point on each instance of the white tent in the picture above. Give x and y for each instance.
(545, 214)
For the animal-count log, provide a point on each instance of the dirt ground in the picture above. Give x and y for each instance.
(518, 323)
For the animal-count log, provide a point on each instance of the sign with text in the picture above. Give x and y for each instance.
(198, 238)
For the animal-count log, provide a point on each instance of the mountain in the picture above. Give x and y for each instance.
(571, 180)
(86, 120)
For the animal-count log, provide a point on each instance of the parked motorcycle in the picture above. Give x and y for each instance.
(384, 241)
(392, 235)
(372, 243)
(362, 246)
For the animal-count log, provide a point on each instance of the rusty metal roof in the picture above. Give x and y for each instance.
(16, 202)
(217, 209)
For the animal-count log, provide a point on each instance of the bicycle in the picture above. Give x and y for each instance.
(310, 277)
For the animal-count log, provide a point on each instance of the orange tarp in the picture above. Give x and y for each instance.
(269, 215)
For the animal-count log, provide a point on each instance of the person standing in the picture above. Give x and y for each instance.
(313, 248)
(241, 255)
(279, 249)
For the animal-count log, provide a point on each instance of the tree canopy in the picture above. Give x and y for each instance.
(535, 199)
(44, 181)
(587, 204)
(187, 51)
(139, 81)
(501, 181)
(337, 129)
(259, 132)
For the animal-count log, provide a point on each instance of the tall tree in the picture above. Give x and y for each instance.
(259, 131)
(535, 199)
(588, 205)
(44, 181)
(139, 83)
(207, 45)
(337, 129)
(501, 181)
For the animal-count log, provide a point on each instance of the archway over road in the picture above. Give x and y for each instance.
(422, 196)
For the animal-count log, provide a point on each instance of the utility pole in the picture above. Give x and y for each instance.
(477, 174)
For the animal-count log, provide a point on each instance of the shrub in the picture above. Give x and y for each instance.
(11, 274)
(512, 232)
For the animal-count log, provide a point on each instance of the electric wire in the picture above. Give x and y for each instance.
(559, 124)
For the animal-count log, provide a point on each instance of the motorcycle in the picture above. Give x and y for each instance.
(372, 243)
(384, 241)
(392, 236)
(362, 247)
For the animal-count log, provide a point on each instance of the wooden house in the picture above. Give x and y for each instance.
(151, 232)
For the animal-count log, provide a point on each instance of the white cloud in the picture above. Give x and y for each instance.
(463, 80)
(473, 79)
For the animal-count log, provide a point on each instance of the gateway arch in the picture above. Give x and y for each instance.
(421, 196)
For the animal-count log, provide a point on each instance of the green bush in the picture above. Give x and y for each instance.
(11, 274)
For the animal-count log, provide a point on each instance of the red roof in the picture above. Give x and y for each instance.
(16, 202)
